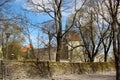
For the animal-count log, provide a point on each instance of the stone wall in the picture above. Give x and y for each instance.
(31, 69)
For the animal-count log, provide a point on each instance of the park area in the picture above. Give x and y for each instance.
(59, 39)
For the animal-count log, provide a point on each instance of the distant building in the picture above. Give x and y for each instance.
(26, 51)
(72, 50)
(74, 46)
(43, 53)
(40, 53)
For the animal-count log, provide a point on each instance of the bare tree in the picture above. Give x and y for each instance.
(89, 35)
(4, 2)
(56, 7)
(49, 29)
(110, 14)
(107, 42)
(15, 36)
(92, 33)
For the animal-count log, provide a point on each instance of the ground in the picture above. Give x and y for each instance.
(101, 76)
(108, 76)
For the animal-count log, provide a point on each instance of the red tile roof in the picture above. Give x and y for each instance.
(26, 48)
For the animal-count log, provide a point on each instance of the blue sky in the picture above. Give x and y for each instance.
(17, 8)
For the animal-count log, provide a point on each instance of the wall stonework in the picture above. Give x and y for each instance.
(20, 70)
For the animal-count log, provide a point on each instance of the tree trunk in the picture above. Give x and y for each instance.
(106, 49)
(91, 60)
(116, 51)
(58, 23)
(117, 65)
(118, 55)
(59, 48)
(49, 51)
(105, 57)
(3, 47)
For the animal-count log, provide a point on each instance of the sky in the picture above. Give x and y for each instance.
(18, 5)
(17, 9)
